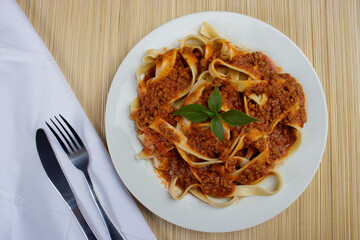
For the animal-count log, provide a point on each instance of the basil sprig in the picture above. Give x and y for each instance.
(194, 112)
(199, 113)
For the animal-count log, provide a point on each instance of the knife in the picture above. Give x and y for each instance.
(58, 179)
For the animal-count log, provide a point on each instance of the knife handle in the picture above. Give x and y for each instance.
(85, 227)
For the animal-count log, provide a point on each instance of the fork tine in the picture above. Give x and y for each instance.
(58, 138)
(69, 135)
(73, 131)
(62, 134)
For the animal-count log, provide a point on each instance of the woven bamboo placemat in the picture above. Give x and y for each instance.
(89, 39)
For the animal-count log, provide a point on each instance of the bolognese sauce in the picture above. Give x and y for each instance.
(248, 153)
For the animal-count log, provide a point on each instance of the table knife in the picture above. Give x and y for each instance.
(58, 179)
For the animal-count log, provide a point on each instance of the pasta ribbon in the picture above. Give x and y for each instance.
(188, 154)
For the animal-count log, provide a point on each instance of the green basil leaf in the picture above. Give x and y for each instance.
(215, 100)
(237, 118)
(217, 128)
(209, 113)
(194, 112)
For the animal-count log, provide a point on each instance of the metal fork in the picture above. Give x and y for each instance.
(79, 157)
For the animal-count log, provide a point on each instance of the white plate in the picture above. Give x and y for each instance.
(139, 177)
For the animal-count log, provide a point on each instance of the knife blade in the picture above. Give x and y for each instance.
(58, 179)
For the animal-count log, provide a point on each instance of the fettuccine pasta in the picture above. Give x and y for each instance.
(190, 158)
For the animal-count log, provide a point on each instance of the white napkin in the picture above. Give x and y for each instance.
(33, 89)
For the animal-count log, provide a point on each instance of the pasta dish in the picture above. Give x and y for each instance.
(219, 157)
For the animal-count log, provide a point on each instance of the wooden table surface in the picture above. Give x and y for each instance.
(89, 40)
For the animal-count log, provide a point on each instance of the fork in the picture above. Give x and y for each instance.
(79, 157)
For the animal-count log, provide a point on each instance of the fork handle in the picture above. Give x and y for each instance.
(113, 231)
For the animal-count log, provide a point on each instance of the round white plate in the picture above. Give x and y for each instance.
(139, 177)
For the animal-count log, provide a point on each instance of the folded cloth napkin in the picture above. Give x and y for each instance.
(33, 89)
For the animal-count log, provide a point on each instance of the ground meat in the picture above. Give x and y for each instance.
(202, 140)
(252, 174)
(232, 99)
(156, 144)
(256, 63)
(214, 181)
(177, 167)
(283, 92)
(280, 141)
(156, 100)
(168, 133)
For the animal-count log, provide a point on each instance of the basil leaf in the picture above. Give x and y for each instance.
(215, 100)
(209, 113)
(217, 128)
(193, 112)
(237, 118)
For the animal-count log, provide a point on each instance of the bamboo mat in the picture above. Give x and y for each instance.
(89, 39)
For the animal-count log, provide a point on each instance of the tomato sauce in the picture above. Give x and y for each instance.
(285, 101)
